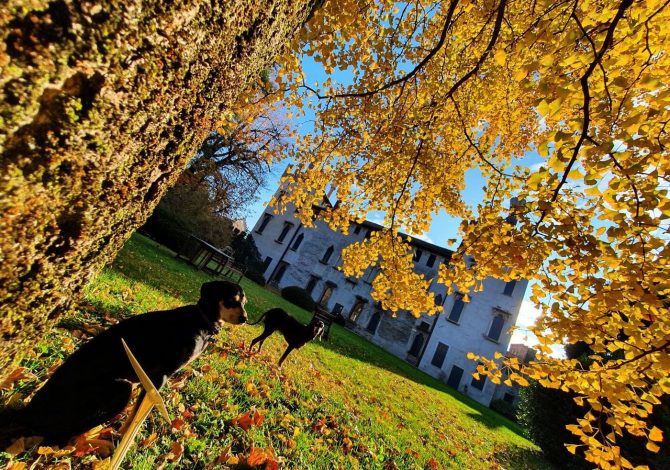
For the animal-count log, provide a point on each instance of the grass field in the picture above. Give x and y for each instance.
(342, 403)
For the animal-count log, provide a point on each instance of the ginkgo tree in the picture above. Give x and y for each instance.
(430, 90)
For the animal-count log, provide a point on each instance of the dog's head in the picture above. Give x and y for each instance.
(223, 302)
(317, 329)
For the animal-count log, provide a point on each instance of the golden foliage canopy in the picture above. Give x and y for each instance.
(435, 89)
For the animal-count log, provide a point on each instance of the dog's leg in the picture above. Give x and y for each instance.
(263, 336)
(87, 408)
(286, 353)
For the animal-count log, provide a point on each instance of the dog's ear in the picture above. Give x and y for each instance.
(215, 291)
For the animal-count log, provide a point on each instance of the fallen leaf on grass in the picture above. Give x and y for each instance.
(432, 464)
(20, 373)
(251, 389)
(84, 446)
(62, 466)
(260, 456)
(146, 442)
(17, 446)
(412, 452)
(176, 451)
(347, 445)
(100, 464)
(248, 419)
(45, 450)
(16, 466)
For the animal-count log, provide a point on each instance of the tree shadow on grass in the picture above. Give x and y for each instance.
(513, 456)
(348, 343)
(491, 421)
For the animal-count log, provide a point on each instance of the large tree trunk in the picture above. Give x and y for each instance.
(103, 103)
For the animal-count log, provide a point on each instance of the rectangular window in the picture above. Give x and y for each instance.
(417, 255)
(509, 287)
(440, 354)
(479, 383)
(457, 308)
(266, 263)
(497, 324)
(455, 377)
(264, 223)
(423, 326)
(337, 309)
(431, 260)
(357, 230)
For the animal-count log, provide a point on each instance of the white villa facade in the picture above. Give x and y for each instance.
(308, 257)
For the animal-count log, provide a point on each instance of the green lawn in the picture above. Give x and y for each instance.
(343, 403)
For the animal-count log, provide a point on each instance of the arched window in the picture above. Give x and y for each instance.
(496, 327)
(327, 254)
(356, 311)
(284, 232)
(279, 273)
(325, 297)
(297, 242)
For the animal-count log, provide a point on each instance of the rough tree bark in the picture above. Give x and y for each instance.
(103, 103)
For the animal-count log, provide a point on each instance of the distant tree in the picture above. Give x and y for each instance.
(234, 161)
(219, 183)
(246, 251)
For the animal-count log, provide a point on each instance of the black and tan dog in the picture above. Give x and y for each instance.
(95, 383)
(295, 333)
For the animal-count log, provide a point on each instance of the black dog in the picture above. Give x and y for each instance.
(95, 383)
(295, 333)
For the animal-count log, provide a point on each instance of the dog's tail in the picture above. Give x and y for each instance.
(259, 320)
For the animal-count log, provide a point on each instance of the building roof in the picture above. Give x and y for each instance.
(417, 242)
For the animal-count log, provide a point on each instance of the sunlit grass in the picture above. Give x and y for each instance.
(344, 403)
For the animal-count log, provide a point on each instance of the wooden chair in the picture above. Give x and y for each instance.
(322, 313)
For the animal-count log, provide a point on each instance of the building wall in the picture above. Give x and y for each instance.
(394, 334)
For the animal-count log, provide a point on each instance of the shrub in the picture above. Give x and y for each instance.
(255, 276)
(299, 296)
(505, 408)
(164, 229)
(545, 412)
